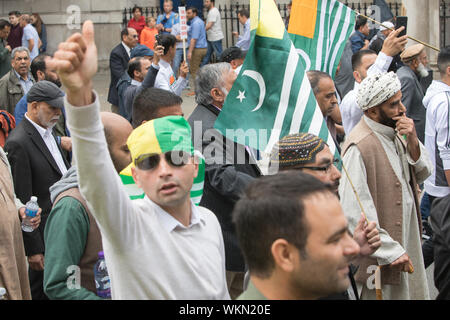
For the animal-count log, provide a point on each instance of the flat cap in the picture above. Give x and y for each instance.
(46, 91)
(411, 52)
(141, 51)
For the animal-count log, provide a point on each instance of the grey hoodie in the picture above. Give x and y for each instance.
(68, 181)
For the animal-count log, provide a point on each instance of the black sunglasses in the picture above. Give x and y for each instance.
(149, 161)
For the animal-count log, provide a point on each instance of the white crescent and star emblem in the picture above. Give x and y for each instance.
(262, 87)
(241, 95)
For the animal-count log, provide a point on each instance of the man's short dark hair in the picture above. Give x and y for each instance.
(136, 8)
(4, 23)
(314, 77)
(149, 102)
(244, 13)
(360, 22)
(194, 10)
(443, 60)
(358, 56)
(134, 65)
(272, 207)
(123, 33)
(14, 13)
(38, 64)
(168, 41)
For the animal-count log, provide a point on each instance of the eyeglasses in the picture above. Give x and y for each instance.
(325, 169)
(135, 36)
(150, 161)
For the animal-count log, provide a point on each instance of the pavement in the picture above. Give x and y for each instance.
(101, 85)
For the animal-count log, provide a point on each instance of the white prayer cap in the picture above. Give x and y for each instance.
(376, 89)
(388, 24)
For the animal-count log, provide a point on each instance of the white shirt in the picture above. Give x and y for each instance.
(128, 49)
(50, 142)
(350, 111)
(135, 83)
(166, 79)
(149, 254)
(215, 32)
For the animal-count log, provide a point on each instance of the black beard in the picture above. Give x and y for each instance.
(55, 81)
(385, 120)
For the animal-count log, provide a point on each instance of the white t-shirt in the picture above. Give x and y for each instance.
(215, 32)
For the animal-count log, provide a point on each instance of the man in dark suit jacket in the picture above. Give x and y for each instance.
(36, 164)
(415, 60)
(118, 63)
(228, 170)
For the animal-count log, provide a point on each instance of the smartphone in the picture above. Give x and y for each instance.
(399, 22)
(158, 38)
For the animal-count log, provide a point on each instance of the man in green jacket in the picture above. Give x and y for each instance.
(5, 49)
(72, 237)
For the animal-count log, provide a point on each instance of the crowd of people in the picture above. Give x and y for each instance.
(182, 212)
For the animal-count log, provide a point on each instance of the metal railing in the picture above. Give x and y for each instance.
(230, 22)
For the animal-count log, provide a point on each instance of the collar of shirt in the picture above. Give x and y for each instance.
(128, 49)
(43, 132)
(169, 223)
(135, 83)
(21, 78)
(380, 128)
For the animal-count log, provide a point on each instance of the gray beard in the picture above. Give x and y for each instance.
(423, 72)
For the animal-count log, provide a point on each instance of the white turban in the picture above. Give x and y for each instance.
(376, 89)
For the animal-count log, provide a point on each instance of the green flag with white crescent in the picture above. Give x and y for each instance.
(272, 96)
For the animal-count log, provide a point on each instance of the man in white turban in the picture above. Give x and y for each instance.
(386, 162)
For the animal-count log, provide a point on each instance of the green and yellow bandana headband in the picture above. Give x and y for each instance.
(159, 136)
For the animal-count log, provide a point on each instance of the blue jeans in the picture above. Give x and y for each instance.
(177, 61)
(215, 46)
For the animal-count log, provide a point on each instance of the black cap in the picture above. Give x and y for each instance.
(46, 91)
(231, 54)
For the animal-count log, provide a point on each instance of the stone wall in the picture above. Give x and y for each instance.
(106, 14)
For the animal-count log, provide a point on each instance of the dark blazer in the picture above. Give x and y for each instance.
(118, 63)
(412, 96)
(225, 180)
(34, 170)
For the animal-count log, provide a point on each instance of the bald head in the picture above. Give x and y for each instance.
(24, 20)
(117, 129)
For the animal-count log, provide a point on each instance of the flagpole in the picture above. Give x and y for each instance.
(409, 37)
(356, 193)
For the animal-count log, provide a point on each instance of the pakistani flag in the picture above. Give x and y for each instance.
(272, 96)
(319, 30)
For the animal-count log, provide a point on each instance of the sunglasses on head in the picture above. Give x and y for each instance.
(149, 161)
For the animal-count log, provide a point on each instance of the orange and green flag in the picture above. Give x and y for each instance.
(319, 30)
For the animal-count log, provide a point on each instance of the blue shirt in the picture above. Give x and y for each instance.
(244, 40)
(197, 31)
(358, 41)
(26, 84)
(21, 108)
(29, 32)
(167, 23)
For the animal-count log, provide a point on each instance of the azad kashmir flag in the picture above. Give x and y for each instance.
(319, 30)
(272, 96)
(160, 136)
